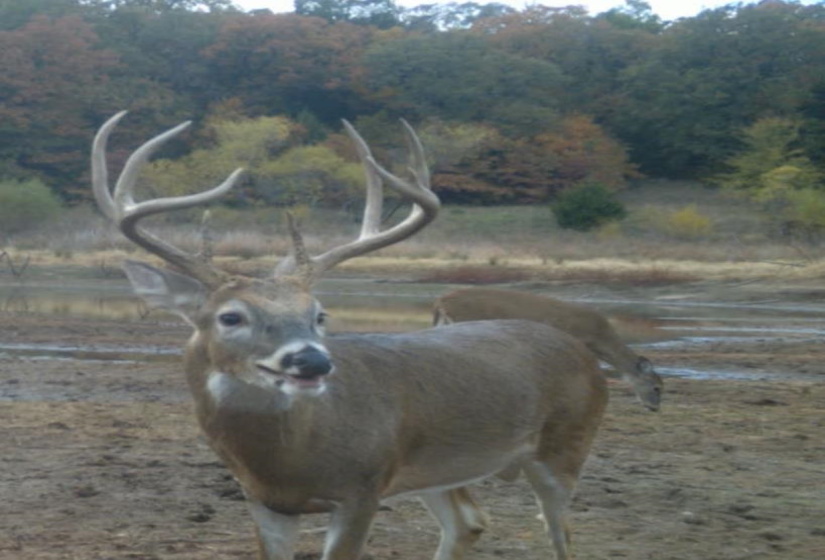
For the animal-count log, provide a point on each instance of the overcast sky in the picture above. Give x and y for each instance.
(666, 9)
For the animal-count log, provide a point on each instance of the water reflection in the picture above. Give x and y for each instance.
(103, 301)
(354, 305)
(369, 306)
(690, 373)
(99, 353)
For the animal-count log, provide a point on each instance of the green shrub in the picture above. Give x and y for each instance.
(803, 214)
(688, 223)
(587, 206)
(25, 205)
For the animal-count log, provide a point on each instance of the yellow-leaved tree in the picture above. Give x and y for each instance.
(773, 171)
(247, 143)
(279, 170)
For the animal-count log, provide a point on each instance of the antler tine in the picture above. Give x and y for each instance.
(425, 203)
(419, 192)
(126, 213)
(300, 257)
(418, 166)
(371, 224)
(123, 197)
(425, 207)
(100, 172)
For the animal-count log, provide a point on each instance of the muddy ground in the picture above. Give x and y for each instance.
(103, 460)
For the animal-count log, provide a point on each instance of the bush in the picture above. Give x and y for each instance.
(587, 206)
(803, 214)
(25, 205)
(688, 223)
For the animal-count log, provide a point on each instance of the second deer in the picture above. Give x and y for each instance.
(583, 323)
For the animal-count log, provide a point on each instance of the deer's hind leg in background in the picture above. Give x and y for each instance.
(460, 518)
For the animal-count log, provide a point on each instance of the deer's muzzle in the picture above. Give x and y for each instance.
(309, 363)
(298, 366)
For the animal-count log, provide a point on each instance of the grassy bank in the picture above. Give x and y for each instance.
(673, 233)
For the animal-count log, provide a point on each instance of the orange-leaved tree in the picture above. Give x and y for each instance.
(53, 75)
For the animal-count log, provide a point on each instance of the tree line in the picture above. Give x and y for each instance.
(513, 105)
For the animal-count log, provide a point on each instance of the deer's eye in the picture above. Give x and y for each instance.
(321, 319)
(230, 319)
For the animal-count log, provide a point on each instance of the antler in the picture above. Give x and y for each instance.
(122, 209)
(425, 208)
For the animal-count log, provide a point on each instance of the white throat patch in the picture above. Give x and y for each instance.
(220, 386)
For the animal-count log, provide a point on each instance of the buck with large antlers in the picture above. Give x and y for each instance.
(311, 425)
(583, 323)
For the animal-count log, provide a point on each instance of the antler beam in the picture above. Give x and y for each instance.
(121, 208)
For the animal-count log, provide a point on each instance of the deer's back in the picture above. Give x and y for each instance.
(482, 304)
(503, 365)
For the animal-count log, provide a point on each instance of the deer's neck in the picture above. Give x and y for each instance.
(218, 393)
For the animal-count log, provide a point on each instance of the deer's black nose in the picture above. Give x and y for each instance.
(310, 362)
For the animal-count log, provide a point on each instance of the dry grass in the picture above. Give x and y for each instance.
(437, 269)
(476, 245)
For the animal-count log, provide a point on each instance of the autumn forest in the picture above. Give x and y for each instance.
(513, 106)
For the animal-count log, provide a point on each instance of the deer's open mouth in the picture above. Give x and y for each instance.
(306, 380)
(310, 380)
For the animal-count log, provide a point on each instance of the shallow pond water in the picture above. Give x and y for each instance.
(359, 305)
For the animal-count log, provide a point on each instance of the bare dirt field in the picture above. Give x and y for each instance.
(102, 460)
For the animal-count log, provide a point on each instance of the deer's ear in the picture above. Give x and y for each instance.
(165, 289)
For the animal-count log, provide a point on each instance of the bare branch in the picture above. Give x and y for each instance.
(17, 270)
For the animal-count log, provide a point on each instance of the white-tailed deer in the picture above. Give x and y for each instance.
(310, 425)
(583, 323)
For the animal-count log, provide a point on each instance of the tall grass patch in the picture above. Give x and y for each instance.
(25, 205)
(666, 221)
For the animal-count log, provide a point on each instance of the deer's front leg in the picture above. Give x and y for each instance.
(276, 532)
(349, 527)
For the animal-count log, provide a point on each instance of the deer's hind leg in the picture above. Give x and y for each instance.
(554, 472)
(553, 493)
(460, 518)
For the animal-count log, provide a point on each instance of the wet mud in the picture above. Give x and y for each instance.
(101, 458)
